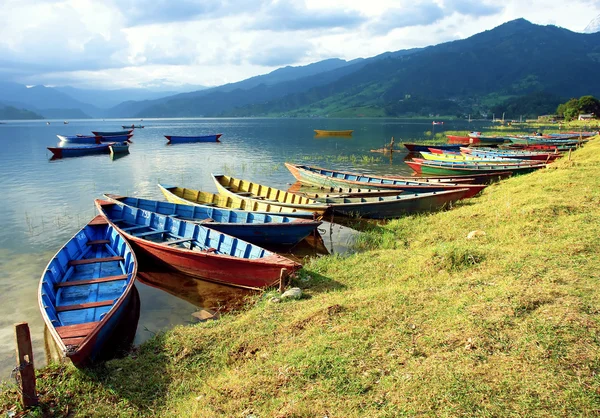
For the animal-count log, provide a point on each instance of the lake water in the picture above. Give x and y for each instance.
(46, 201)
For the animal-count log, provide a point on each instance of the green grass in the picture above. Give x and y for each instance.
(420, 322)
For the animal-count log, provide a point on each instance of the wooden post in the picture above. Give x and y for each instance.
(282, 277)
(25, 365)
(569, 154)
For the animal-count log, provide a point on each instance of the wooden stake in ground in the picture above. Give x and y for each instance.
(25, 369)
(282, 277)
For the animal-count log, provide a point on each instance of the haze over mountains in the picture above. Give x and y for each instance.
(471, 75)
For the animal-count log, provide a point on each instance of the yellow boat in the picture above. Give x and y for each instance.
(320, 132)
(257, 193)
(469, 158)
(185, 196)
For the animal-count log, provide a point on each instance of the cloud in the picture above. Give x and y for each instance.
(420, 14)
(473, 8)
(291, 16)
(282, 54)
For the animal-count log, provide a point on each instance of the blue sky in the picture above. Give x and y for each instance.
(129, 43)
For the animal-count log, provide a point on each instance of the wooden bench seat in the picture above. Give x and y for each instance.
(98, 242)
(76, 330)
(88, 305)
(131, 228)
(95, 260)
(92, 281)
(145, 234)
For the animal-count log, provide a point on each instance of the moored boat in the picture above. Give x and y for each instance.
(112, 133)
(334, 178)
(196, 250)
(85, 288)
(78, 151)
(254, 192)
(322, 132)
(517, 154)
(119, 147)
(257, 228)
(470, 158)
(132, 126)
(422, 147)
(187, 196)
(92, 139)
(443, 168)
(172, 139)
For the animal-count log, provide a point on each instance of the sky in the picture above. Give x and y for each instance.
(164, 43)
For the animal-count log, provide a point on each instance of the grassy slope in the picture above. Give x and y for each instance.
(422, 322)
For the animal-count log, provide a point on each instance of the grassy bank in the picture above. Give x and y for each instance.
(423, 321)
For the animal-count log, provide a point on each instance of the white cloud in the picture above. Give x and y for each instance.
(132, 42)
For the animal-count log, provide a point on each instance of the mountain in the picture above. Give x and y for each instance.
(39, 98)
(12, 113)
(593, 26)
(106, 99)
(514, 59)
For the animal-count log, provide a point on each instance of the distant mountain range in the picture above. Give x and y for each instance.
(471, 75)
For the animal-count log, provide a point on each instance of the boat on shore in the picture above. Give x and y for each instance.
(424, 147)
(78, 151)
(112, 133)
(444, 168)
(172, 139)
(85, 289)
(322, 132)
(197, 250)
(333, 178)
(185, 196)
(470, 158)
(516, 154)
(257, 228)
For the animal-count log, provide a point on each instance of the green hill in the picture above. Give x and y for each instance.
(12, 113)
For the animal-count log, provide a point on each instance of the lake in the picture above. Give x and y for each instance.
(47, 202)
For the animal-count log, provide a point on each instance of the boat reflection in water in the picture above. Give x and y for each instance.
(118, 344)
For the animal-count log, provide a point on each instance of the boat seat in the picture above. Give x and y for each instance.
(95, 260)
(243, 193)
(98, 242)
(131, 228)
(76, 330)
(207, 204)
(179, 241)
(92, 281)
(144, 234)
(79, 306)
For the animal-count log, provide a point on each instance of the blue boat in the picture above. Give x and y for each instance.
(79, 139)
(112, 133)
(189, 139)
(78, 151)
(196, 250)
(257, 228)
(85, 289)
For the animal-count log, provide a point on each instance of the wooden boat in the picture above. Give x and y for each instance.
(333, 178)
(522, 155)
(196, 250)
(85, 289)
(119, 148)
(79, 139)
(437, 123)
(254, 192)
(78, 151)
(543, 141)
(171, 139)
(257, 228)
(322, 132)
(314, 192)
(439, 167)
(132, 126)
(545, 148)
(112, 133)
(187, 196)
(421, 147)
(469, 158)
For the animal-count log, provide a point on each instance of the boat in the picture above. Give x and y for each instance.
(197, 250)
(237, 188)
(112, 133)
(437, 123)
(315, 192)
(171, 139)
(469, 158)
(532, 140)
(65, 122)
(85, 289)
(187, 196)
(132, 126)
(522, 155)
(442, 168)
(78, 151)
(333, 178)
(322, 132)
(422, 147)
(257, 228)
(92, 139)
(119, 147)
(79, 139)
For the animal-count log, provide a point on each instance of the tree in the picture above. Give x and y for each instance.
(589, 104)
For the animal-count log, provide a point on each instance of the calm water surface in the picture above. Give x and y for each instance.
(46, 202)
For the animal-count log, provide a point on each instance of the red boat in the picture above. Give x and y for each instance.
(454, 139)
(196, 250)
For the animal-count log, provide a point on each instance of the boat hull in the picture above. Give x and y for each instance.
(171, 139)
(441, 169)
(260, 229)
(419, 148)
(112, 133)
(66, 152)
(321, 132)
(74, 139)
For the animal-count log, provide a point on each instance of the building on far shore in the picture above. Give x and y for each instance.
(587, 116)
